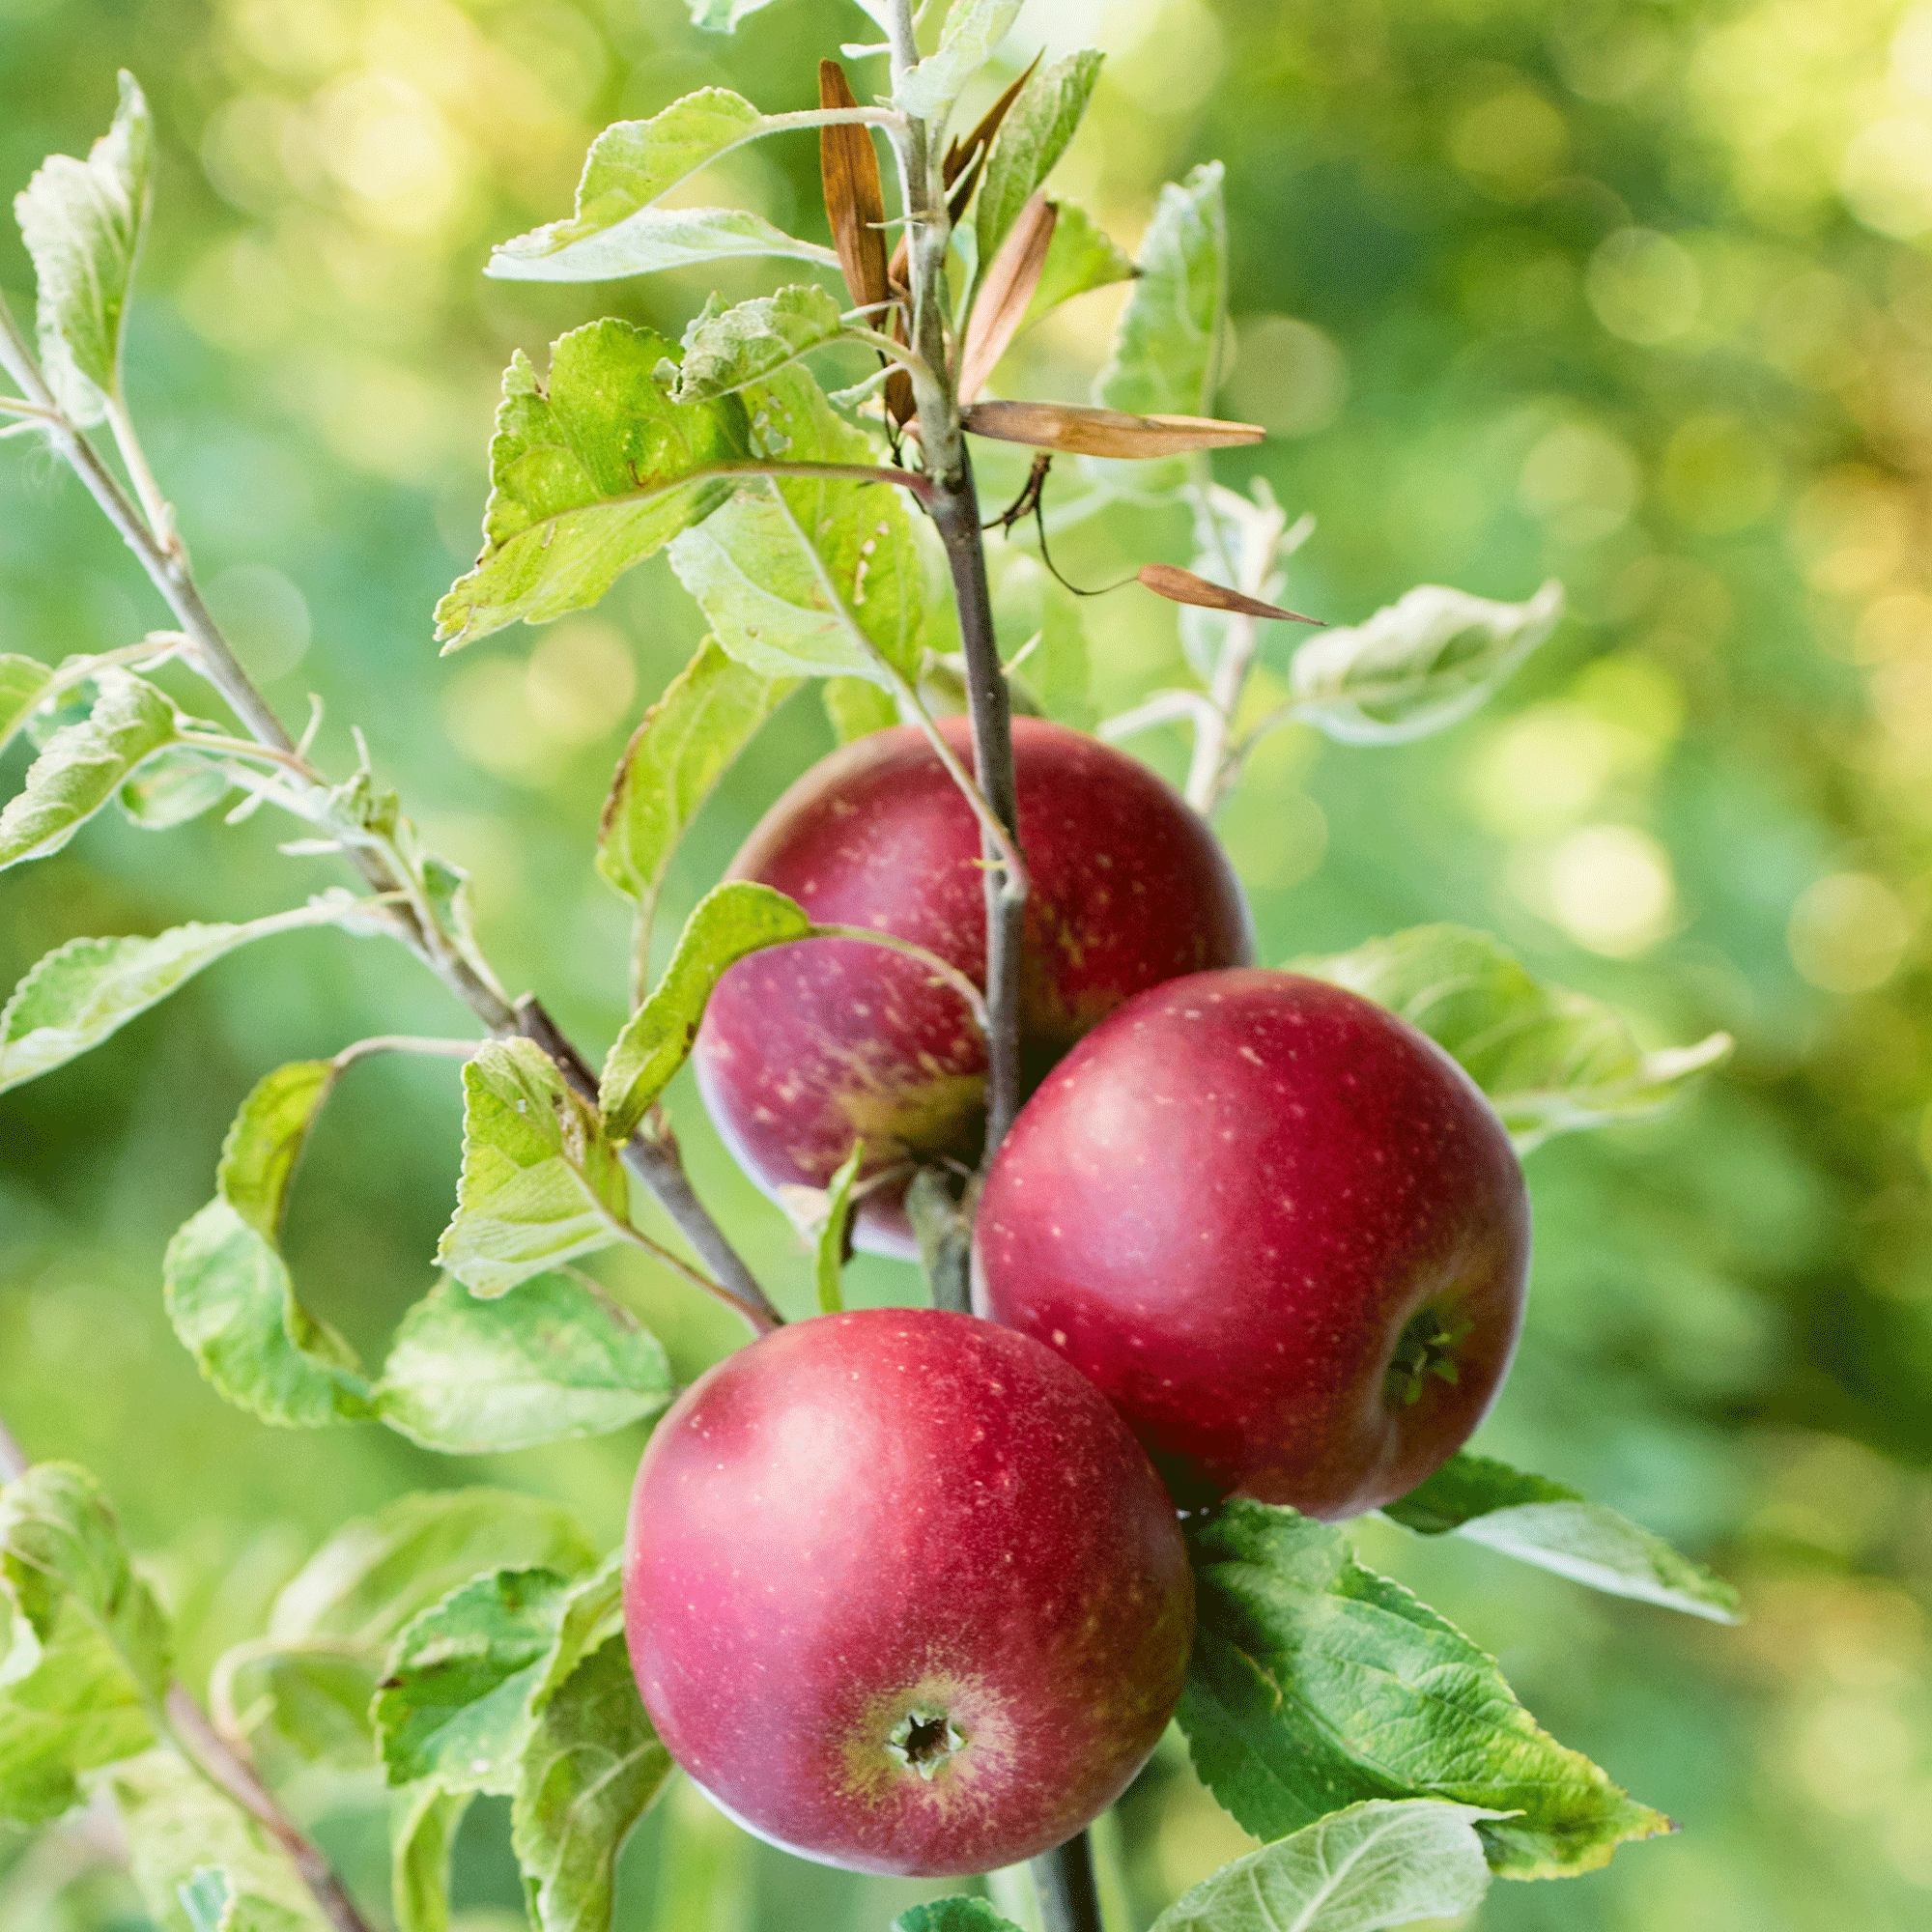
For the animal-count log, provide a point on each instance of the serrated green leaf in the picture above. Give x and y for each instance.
(1559, 1528)
(376, 1573)
(730, 920)
(175, 785)
(1551, 1061)
(753, 340)
(952, 1914)
(589, 1773)
(89, 988)
(857, 707)
(686, 744)
(552, 1362)
(830, 1261)
(455, 1704)
(593, 1612)
(1081, 256)
(588, 474)
(974, 28)
(88, 1655)
(826, 582)
(1417, 666)
(1315, 1683)
(179, 1825)
(84, 765)
(23, 683)
(82, 223)
(422, 1835)
(1029, 142)
(540, 1182)
(1167, 350)
(1358, 1870)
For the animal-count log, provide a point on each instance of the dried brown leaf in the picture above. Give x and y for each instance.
(1005, 292)
(1182, 587)
(960, 154)
(1089, 432)
(855, 201)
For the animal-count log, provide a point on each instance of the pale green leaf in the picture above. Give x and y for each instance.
(1081, 256)
(422, 1835)
(206, 1899)
(593, 1612)
(974, 28)
(376, 1573)
(1559, 1528)
(1358, 1871)
(174, 787)
(455, 1704)
(1053, 666)
(88, 1650)
(829, 1260)
(656, 238)
(589, 473)
(82, 223)
(23, 683)
(313, 1694)
(87, 989)
(1315, 1683)
(83, 766)
(540, 1181)
(588, 1774)
(550, 1363)
(1550, 1059)
(634, 163)
(1417, 666)
(179, 1825)
(738, 918)
(1030, 139)
(952, 1914)
(720, 16)
(828, 581)
(753, 340)
(266, 1138)
(1167, 350)
(857, 707)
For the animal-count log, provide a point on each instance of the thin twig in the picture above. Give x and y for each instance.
(405, 1042)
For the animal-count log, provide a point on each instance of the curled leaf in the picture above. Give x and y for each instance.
(1182, 587)
(1092, 431)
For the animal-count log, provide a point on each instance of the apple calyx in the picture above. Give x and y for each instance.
(1426, 1346)
(926, 1740)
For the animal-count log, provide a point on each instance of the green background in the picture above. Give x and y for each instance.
(1634, 295)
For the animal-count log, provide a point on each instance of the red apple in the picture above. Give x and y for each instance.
(902, 1594)
(1281, 1230)
(807, 1046)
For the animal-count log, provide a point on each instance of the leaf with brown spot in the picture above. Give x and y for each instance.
(1182, 587)
(1005, 294)
(1095, 432)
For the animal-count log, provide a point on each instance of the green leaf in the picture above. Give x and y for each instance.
(593, 1612)
(82, 223)
(1054, 665)
(88, 1653)
(1030, 141)
(84, 764)
(1315, 1683)
(857, 707)
(23, 683)
(1167, 345)
(1356, 1870)
(831, 1256)
(314, 1694)
(1081, 256)
(89, 988)
(1417, 666)
(588, 1774)
(375, 1575)
(655, 239)
(588, 474)
(172, 786)
(829, 580)
(422, 1835)
(1550, 1059)
(1559, 1528)
(952, 1914)
(974, 28)
(206, 1898)
(552, 1362)
(730, 920)
(455, 1705)
(686, 741)
(540, 1181)
(179, 1828)
(753, 340)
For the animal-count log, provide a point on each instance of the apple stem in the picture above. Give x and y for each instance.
(228, 1767)
(1069, 1900)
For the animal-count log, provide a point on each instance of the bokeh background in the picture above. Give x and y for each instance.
(1636, 294)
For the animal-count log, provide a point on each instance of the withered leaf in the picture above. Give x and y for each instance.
(1095, 432)
(855, 201)
(1005, 294)
(1182, 587)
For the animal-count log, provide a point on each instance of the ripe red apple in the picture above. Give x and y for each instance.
(902, 1594)
(1282, 1232)
(807, 1046)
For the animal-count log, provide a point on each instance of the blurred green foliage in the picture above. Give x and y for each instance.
(1634, 293)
